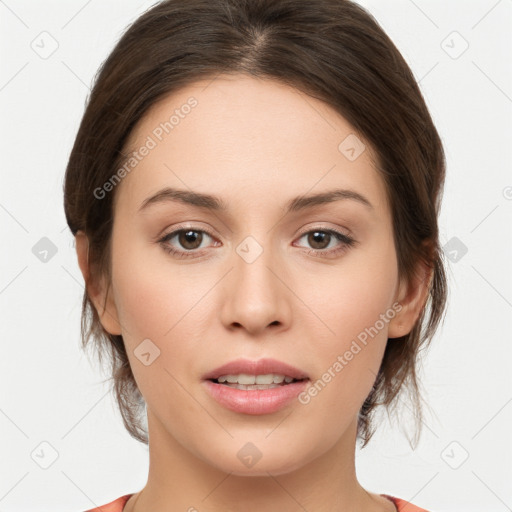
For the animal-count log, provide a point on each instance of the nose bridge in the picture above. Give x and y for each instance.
(255, 296)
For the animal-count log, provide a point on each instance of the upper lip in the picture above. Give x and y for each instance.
(259, 367)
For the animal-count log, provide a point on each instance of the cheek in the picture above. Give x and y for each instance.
(351, 297)
(165, 303)
(150, 293)
(144, 303)
(354, 304)
(160, 306)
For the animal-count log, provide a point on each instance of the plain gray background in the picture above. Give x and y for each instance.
(63, 445)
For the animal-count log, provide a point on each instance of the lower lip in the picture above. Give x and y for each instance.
(257, 401)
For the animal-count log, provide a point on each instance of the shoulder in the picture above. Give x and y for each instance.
(404, 506)
(114, 506)
(118, 505)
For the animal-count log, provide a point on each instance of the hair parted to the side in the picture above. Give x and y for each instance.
(333, 50)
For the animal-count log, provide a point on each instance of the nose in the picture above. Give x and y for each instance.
(256, 296)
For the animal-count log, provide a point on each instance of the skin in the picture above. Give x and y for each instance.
(256, 144)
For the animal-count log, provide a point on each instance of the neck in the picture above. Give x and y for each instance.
(180, 480)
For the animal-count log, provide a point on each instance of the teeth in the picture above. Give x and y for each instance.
(246, 380)
(253, 386)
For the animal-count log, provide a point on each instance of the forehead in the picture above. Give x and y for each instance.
(249, 140)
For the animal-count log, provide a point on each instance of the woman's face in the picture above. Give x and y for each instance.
(257, 279)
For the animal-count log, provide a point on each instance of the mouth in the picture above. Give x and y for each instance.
(248, 382)
(262, 372)
(255, 387)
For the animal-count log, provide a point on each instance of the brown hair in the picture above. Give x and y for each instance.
(333, 50)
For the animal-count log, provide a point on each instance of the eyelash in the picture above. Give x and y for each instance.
(346, 240)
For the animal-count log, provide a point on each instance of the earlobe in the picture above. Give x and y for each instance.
(96, 289)
(412, 297)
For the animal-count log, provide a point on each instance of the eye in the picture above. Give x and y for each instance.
(190, 239)
(320, 240)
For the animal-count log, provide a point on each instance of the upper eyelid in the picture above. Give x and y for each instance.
(179, 229)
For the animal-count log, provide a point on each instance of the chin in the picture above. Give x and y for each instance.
(275, 464)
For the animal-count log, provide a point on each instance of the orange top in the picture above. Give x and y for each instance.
(118, 505)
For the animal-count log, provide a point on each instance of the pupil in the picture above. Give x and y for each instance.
(190, 237)
(319, 235)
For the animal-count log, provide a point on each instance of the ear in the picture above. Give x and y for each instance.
(96, 288)
(411, 295)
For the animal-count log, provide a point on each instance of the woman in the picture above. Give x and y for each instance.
(254, 191)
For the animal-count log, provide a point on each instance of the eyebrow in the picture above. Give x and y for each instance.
(207, 201)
